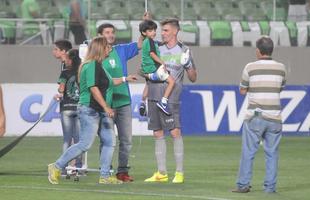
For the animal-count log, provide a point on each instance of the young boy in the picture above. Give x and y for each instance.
(60, 49)
(153, 68)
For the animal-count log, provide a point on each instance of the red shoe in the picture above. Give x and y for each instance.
(124, 176)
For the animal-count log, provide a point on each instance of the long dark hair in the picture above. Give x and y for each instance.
(73, 55)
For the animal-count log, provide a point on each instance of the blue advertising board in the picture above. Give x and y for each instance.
(219, 109)
(205, 109)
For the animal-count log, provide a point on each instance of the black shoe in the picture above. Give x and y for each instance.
(242, 190)
(142, 109)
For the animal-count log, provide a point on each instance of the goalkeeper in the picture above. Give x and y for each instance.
(152, 67)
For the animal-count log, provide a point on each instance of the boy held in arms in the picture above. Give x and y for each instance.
(152, 67)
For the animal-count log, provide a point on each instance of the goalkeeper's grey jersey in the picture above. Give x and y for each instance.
(171, 57)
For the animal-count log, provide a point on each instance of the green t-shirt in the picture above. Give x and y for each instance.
(29, 6)
(113, 66)
(93, 74)
(148, 64)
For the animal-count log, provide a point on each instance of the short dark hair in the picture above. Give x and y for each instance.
(147, 25)
(265, 45)
(172, 21)
(63, 44)
(104, 26)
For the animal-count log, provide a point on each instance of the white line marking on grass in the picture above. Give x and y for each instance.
(110, 192)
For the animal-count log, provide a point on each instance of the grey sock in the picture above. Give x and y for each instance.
(178, 153)
(160, 154)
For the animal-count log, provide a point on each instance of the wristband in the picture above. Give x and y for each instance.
(124, 79)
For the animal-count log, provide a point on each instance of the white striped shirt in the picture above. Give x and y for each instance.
(264, 80)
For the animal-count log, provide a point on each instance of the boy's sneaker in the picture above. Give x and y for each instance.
(109, 180)
(142, 109)
(157, 177)
(178, 178)
(163, 107)
(53, 173)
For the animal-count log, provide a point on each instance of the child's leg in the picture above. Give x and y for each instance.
(153, 76)
(142, 107)
(160, 74)
(170, 86)
(145, 93)
(163, 104)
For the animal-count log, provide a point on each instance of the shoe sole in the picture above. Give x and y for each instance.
(51, 181)
(241, 190)
(157, 181)
(162, 109)
(126, 180)
(176, 182)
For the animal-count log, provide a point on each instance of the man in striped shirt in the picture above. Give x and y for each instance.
(262, 81)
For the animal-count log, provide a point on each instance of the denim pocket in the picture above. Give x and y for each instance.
(87, 111)
(275, 127)
(104, 114)
(254, 124)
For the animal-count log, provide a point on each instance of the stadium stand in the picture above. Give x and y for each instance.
(252, 10)
(226, 20)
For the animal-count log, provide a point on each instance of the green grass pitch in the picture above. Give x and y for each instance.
(211, 165)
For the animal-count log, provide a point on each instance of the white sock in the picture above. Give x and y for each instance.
(164, 100)
(160, 154)
(178, 153)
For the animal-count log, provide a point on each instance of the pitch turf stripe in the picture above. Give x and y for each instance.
(111, 192)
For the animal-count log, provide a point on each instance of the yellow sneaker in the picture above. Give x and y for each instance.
(109, 180)
(53, 173)
(157, 177)
(178, 178)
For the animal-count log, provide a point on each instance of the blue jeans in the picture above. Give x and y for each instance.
(123, 121)
(107, 138)
(89, 121)
(70, 129)
(253, 131)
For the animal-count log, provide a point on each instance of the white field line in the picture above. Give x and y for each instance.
(111, 192)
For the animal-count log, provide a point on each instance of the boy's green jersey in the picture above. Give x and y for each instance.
(148, 64)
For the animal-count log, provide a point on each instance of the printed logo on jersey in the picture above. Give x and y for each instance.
(171, 59)
(112, 63)
(72, 89)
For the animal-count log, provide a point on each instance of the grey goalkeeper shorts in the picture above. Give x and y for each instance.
(158, 120)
